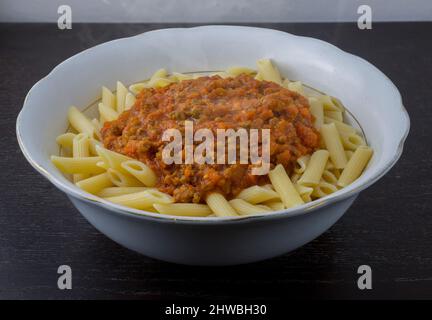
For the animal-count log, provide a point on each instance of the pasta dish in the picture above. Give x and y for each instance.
(119, 156)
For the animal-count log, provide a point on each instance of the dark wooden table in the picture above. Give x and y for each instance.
(389, 227)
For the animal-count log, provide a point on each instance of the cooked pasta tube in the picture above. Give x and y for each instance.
(236, 71)
(219, 205)
(274, 205)
(129, 101)
(80, 148)
(103, 165)
(118, 191)
(336, 115)
(79, 122)
(176, 76)
(340, 126)
(323, 189)
(301, 163)
(351, 141)
(92, 146)
(65, 140)
(137, 87)
(121, 97)
(107, 113)
(140, 171)
(284, 187)
(108, 98)
(317, 110)
(314, 169)
(95, 184)
(330, 104)
(329, 177)
(142, 200)
(97, 125)
(257, 194)
(77, 165)
(259, 77)
(296, 86)
(304, 192)
(295, 177)
(112, 159)
(268, 72)
(245, 208)
(334, 145)
(184, 209)
(355, 165)
(122, 180)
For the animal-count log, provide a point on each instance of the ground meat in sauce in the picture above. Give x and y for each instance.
(213, 103)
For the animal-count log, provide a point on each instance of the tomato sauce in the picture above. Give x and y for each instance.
(213, 103)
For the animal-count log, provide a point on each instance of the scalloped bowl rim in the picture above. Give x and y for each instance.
(291, 212)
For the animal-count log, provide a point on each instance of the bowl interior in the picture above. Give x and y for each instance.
(367, 93)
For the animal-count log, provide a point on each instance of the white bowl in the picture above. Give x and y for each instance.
(365, 91)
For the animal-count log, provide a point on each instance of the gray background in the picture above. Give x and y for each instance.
(214, 10)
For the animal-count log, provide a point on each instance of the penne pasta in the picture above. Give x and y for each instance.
(336, 115)
(143, 200)
(92, 146)
(340, 126)
(330, 103)
(140, 171)
(284, 187)
(95, 184)
(108, 98)
(65, 140)
(80, 148)
(304, 192)
(180, 76)
(235, 71)
(296, 86)
(257, 194)
(219, 205)
(355, 165)
(323, 189)
(97, 125)
(122, 180)
(77, 165)
(121, 93)
(301, 163)
(334, 145)
(129, 101)
(317, 110)
(118, 191)
(245, 208)
(184, 209)
(351, 141)
(107, 113)
(314, 169)
(112, 159)
(137, 87)
(79, 122)
(268, 72)
(330, 176)
(275, 205)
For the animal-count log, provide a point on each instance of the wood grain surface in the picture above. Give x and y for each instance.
(389, 227)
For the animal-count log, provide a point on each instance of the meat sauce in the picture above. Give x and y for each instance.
(212, 103)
